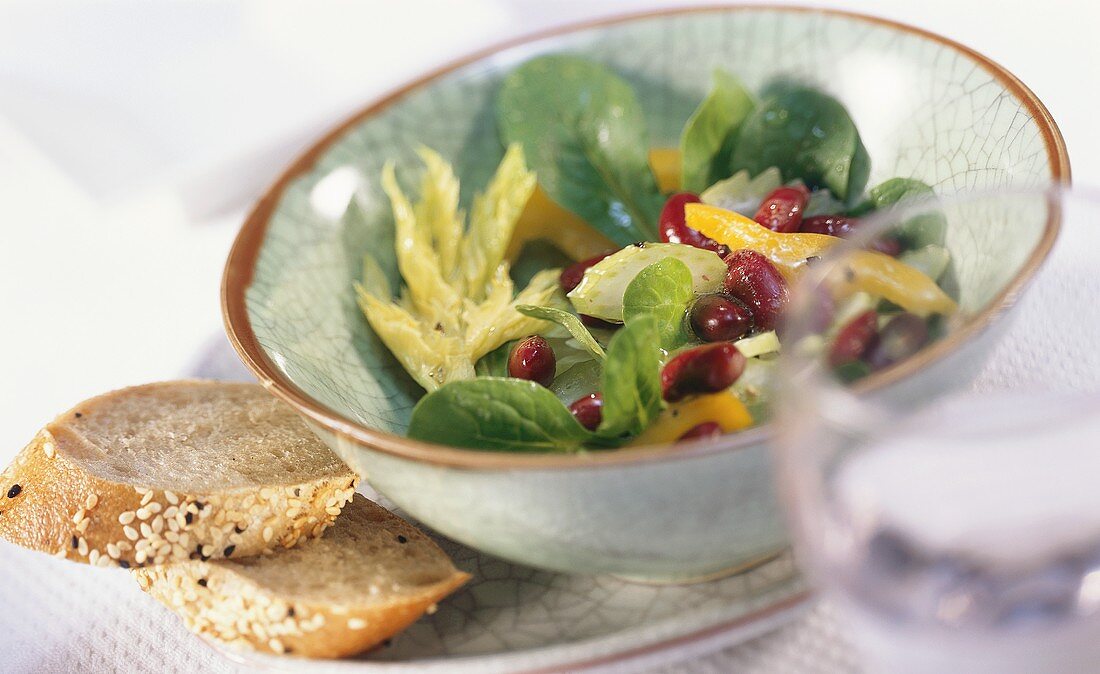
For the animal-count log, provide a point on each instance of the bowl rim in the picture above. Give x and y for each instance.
(244, 254)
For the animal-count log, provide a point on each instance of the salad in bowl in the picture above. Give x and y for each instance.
(654, 315)
(476, 190)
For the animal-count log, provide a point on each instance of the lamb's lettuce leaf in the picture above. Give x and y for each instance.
(631, 382)
(571, 322)
(663, 291)
(600, 293)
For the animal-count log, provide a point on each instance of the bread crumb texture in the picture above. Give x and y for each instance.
(368, 577)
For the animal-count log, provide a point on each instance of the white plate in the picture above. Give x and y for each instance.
(514, 618)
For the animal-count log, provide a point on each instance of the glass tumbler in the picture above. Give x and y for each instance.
(941, 474)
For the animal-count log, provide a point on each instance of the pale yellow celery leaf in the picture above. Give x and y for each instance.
(498, 294)
(434, 300)
(493, 220)
(438, 330)
(374, 279)
(417, 349)
(480, 318)
(507, 324)
(438, 209)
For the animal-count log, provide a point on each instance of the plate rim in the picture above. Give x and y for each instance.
(740, 629)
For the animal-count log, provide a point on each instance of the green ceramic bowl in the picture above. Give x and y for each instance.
(927, 108)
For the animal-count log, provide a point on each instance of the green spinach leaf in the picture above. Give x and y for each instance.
(497, 414)
(567, 320)
(662, 290)
(584, 134)
(807, 134)
(925, 229)
(708, 137)
(631, 383)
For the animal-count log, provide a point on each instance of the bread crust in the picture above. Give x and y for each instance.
(51, 502)
(221, 600)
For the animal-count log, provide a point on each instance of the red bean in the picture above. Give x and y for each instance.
(844, 226)
(588, 410)
(903, 336)
(854, 339)
(754, 280)
(532, 358)
(718, 318)
(593, 322)
(707, 429)
(832, 225)
(822, 311)
(673, 224)
(781, 211)
(705, 369)
(886, 245)
(571, 276)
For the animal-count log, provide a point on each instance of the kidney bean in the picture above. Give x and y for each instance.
(673, 224)
(832, 225)
(781, 210)
(900, 338)
(532, 358)
(754, 280)
(707, 429)
(588, 410)
(593, 322)
(718, 318)
(705, 369)
(843, 226)
(822, 310)
(886, 245)
(854, 339)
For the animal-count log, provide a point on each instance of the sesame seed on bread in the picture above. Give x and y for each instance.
(368, 577)
(171, 472)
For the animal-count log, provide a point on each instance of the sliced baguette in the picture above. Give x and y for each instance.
(171, 472)
(367, 578)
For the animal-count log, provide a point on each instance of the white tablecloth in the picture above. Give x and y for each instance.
(109, 274)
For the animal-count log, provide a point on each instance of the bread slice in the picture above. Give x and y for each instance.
(171, 472)
(368, 577)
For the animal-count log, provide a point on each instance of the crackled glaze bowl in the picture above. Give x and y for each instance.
(926, 107)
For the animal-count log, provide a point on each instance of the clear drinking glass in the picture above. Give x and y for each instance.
(948, 503)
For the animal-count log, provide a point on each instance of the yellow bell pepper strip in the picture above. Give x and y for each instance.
(544, 219)
(665, 163)
(724, 407)
(868, 271)
(883, 276)
(788, 252)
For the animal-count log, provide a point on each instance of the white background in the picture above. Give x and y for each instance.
(133, 135)
(109, 111)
